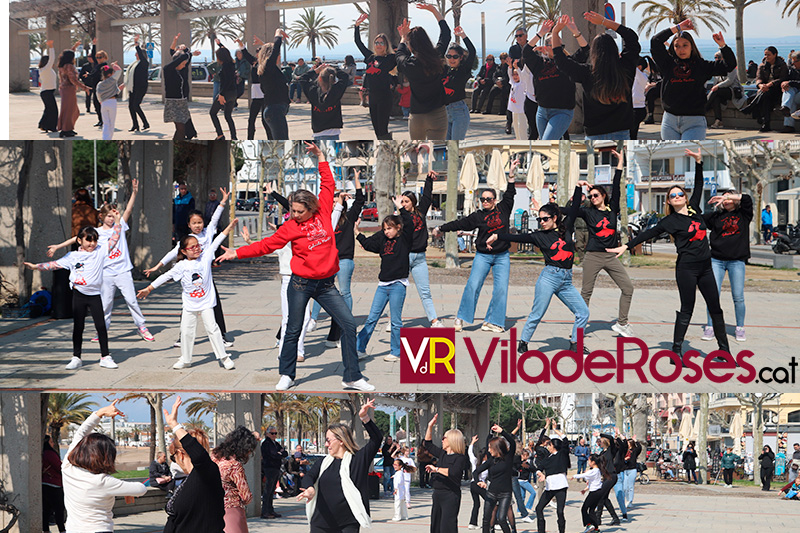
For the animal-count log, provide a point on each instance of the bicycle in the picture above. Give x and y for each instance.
(641, 477)
(7, 507)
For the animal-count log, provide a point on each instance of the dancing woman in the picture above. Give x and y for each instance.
(445, 477)
(421, 63)
(685, 73)
(693, 269)
(138, 87)
(607, 77)
(256, 94)
(477, 492)
(47, 79)
(380, 63)
(226, 99)
(601, 221)
(457, 71)
(335, 489)
(68, 84)
(553, 471)
(274, 86)
(230, 455)
(314, 264)
(502, 449)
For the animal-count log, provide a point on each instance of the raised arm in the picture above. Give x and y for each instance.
(427, 193)
(615, 191)
(357, 36)
(697, 192)
(129, 206)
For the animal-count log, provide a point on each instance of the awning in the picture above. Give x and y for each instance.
(791, 194)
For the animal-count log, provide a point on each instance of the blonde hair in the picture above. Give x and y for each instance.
(456, 441)
(101, 56)
(198, 434)
(263, 54)
(344, 434)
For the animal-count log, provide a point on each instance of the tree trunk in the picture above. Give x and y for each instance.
(385, 161)
(702, 440)
(758, 437)
(563, 172)
(741, 64)
(152, 432)
(451, 238)
(55, 435)
(23, 279)
(619, 413)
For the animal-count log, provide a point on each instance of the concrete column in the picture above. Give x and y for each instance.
(438, 407)
(589, 31)
(150, 236)
(384, 17)
(18, 56)
(270, 22)
(21, 458)
(171, 26)
(109, 38)
(61, 38)
(484, 422)
(213, 173)
(243, 410)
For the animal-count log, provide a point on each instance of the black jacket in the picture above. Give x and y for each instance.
(393, 252)
(486, 74)
(500, 468)
(326, 108)
(176, 82)
(272, 455)
(141, 72)
(273, 82)
(427, 91)
(455, 79)
(377, 77)
(554, 88)
(690, 459)
(420, 242)
(730, 231)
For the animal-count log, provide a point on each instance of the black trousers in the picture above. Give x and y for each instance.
(717, 99)
(89, 97)
(496, 512)
(693, 276)
(53, 506)
(639, 114)
(256, 106)
(691, 474)
(766, 478)
(480, 94)
(604, 501)
(561, 499)
(135, 107)
(769, 101)
(444, 512)
(230, 102)
(380, 109)
(81, 305)
(49, 120)
(498, 92)
(97, 107)
(651, 96)
(587, 509)
(727, 475)
(271, 476)
(477, 494)
(531, 108)
(352, 528)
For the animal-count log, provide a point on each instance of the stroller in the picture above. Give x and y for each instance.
(641, 477)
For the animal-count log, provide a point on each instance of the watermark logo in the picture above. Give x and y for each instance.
(428, 355)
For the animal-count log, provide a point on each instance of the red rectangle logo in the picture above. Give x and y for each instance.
(428, 355)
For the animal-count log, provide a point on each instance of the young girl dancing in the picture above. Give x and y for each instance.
(204, 236)
(118, 266)
(594, 478)
(86, 281)
(107, 91)
(554, 239)
(393, 243)
(324, 87)
(402, 470)
(199, 296)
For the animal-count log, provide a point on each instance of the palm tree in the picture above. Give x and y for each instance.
(195, 423)
(327, 407)
(65, 408)
(656, 14)
(149, 32)
(156, 402)
(311, 27)
(738, 9)
(276, 408)
(792, 6)
(204, 405)
(37, 42)
(212, 28)
(536, 12)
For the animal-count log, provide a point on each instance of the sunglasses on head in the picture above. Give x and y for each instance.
(543, 219)
(678, 194)
(487, 199)
(452, 56)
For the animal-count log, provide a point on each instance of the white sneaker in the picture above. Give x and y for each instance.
(95, 339)
(458, 324)
(553, 504)
(624, 331)
(473, 526)
(176, 344)
(285, 383)
(311, 325)
(74, 363)
(389, 327)
(708, 333)
(227, 362)
(108, 362)
(438, 324)
(361, 385)
(527, 518)
(333, 344)
(362, 355)
(494, 328)
(146, 335)
(740, 336)
(391, 358)
(180, 365)
(226, 341)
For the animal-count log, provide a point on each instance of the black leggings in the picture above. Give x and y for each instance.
(256, 106)
(691, 474)
(588, 508)
(82, 303)
(766, 478)
(49, 120)
(561, 499)
(477, 494)
(639, 114)
(52, 505)
(230, 102)
(717, 99)
(727, 475)
(351, 528)
(380, 108)
(219, 318)
(444, 511)
(693, 276)
(651, 96)
(531, 108)
(97, 107)
(603, 500)
(496, 512)
(135, 107)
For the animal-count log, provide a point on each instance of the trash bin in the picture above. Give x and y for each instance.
(62, 294)
(374, 486)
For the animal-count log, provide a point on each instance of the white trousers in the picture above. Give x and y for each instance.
(520, 123)
(123, 282)
(189, 331)
(108, 110)
(400, 509)
(301, 342)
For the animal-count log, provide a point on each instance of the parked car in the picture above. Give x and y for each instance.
(199, 73)
(370, 211)
(251, 204)
(240, 204)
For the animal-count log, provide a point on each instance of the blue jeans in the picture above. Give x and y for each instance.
(419, 271)
(388, 472)
(736, 271)
(406, 111)
(394, 295)
(344, 277)
(299, 292)
(457, 120)
(553, 123)
(526, 487)
(275, 117)
(516, 487)
(500, 265)
(688, 128)
(294, 88)
(326, 138)
(581, 466)
(630, 483)
(619, 490)
(791, 99)
(622, 135)
(555, 281)
(216, 86)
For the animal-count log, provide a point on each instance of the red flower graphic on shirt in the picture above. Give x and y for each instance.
(561, 254)
(374, 68)
(730, 226)
(114, 253)
(699, 234)
(606, 231)
(419, 223)
(493, 220)
(388, 248)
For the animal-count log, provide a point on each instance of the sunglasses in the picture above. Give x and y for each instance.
(329, 440)
(519, 35)
(194, 248)
(595, 195)
(543, 219)
(674, 195)
(487, 199)
(452, 56)
(380, 43)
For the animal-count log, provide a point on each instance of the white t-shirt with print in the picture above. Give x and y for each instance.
(119, 259)
(85, 269)
(204, 238)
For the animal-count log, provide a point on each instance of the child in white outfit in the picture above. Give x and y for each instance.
(516, 104)
(401, 495)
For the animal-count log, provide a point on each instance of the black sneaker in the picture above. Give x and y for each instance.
(615, 522)
(573, 346)
(522, 347)
(785, 111)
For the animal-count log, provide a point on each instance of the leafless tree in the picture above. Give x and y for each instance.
(756, 401)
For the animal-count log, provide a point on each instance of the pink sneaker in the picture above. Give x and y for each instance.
(146, 335)
(740, 336)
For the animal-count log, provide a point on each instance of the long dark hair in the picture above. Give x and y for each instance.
(184, 242)
(554, 211)
(424, 51)
(688, 36)
(413, 197)
(610, 84)
(600, 461)
(238, 444)
(43, 61)
(224, 55)
(499, 444)
(601, 190)
(66, 57)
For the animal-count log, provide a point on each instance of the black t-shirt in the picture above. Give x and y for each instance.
(554, 88)
(427, 91)
(602, 224)
(326, 108)
(420, 241)
(345, 238)
(689, 231)
(488, 222)
(176, 84)
(683, 89)
(730, 231)
(332, 510)
(273, 82)
(387, 451)
(394, 252)
(455, 79)
(500, 468)
(455, 464)
(377, 77)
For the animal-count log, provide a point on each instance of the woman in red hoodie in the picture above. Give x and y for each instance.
(315, 262)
